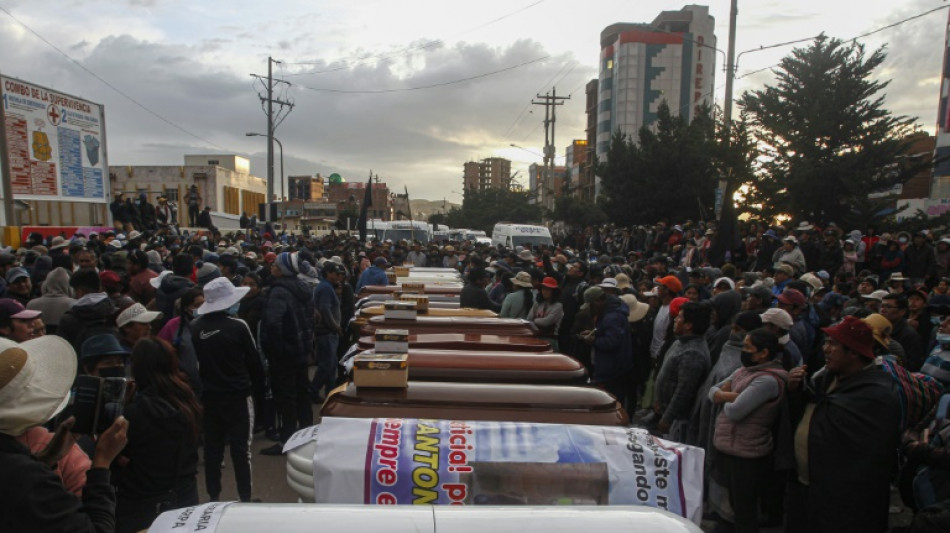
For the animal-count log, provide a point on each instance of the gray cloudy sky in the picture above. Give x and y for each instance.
(189, 62)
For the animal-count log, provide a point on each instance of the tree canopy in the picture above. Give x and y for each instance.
(672, 172)
(825, 137)
(483, 209)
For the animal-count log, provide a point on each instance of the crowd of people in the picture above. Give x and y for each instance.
(809, 365)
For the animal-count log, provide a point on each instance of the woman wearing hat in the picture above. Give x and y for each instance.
(35, 380)
(845, 437)
(547, 311)
(518, 303)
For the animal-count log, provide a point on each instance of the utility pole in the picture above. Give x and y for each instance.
(550, 101)
(727, 236)
(268, 101)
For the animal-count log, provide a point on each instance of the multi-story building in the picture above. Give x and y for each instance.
(489, 173)
(575, 163)
(349, 196)
(308, 188)
(224, 183)
(672, 59)
(585, 180)
(548, 184)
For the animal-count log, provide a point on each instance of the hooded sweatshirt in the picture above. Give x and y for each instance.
(169, 290)
(56, 299)
(90, 315)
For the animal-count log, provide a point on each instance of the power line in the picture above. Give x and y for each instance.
(423, 87)
(107, 84)
(853, 39)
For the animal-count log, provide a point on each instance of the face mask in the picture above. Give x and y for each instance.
(746, 358)
(233, 310)
(902, 240)
(112, 372)
(936, 320)
(943, 338)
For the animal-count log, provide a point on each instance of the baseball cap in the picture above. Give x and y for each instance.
(10, 308)
(137, 313)
(670, 282)
(792, 297)
(777, 317)
(16, 273)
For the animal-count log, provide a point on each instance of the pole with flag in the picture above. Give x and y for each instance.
(412, 227)
(364, 209)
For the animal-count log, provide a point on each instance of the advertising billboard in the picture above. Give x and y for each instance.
(55, 144)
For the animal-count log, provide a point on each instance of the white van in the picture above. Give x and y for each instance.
(403, 229)
(512, 235)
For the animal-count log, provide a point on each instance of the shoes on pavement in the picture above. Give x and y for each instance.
(277, 449)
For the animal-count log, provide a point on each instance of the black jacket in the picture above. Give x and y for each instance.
(852, 443)
(228, 361)
(287, 325)
(163, 456)
(475, 297)
(170, 289)
(91, 315)
(33, 499)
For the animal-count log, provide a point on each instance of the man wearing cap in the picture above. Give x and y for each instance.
(135, 322)
(668, 287)
(16, 322)
(229, 366)
(611, 342)
(894, 309)
(848, 417)
(473, 294)
(758, 297)
(34, 388)
(327, 330)
(287, 340)
(19, 285)
(779, 322)
(374, 275)
(790, 253)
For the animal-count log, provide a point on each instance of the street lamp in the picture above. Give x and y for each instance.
(250, 134)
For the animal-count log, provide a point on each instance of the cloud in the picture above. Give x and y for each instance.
(419, 138)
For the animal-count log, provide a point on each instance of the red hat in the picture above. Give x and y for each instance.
(855, 334)
(270, 257)
(109, 279)
(792, 297)
(549, 282)
(672, 283)
(675, 305)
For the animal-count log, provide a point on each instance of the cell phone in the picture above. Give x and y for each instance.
(97, 403)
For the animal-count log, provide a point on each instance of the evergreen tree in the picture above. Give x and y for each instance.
(826, 138)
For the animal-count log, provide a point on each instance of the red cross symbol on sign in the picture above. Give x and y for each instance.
(54, 115)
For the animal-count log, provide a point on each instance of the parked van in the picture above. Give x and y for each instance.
(410, 231)
(512, 235)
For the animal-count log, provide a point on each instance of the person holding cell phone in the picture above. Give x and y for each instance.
(35, 381)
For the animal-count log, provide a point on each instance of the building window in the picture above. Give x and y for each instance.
(171, 194)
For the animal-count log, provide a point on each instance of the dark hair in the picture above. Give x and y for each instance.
(764, 339)
(182, 265)
(138, 257)
(86, 279)
(155, 367)
(189, 297)
(698, 314)
(899, 299)
(254, 276)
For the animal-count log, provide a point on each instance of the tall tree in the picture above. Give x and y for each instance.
(483, 209)
(826, 138)
(670, 173)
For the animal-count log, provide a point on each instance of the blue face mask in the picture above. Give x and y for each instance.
(233, 310)
(943, 338)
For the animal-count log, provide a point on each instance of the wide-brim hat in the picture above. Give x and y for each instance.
(220, 294)
(522, 279)
(137, 313)
(156, 281)
(854, 334)
(638, 309)
(881, 327)
(35, 379)
(526, 255)
(57, 243)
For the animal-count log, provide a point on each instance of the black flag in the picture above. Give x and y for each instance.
(367, 201)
